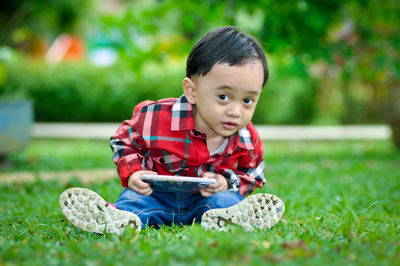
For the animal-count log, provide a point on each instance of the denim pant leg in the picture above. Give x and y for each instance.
(154, 210)
(195, 205)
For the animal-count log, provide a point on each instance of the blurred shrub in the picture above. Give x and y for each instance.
(85, 93)
(289, 96)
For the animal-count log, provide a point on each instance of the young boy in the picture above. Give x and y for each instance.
(207, 132)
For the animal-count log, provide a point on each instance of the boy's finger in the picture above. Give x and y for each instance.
(148, 192)
(145, 191)
(217, 185)
(208, 175)
(141, 184)
(213, 190)
(204, 193)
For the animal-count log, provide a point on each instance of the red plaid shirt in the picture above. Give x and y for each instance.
(161, 136)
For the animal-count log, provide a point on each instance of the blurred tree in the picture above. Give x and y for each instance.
(366, 48)
(24, 23)
(158, 30)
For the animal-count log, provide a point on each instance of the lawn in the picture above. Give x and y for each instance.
(342, 208)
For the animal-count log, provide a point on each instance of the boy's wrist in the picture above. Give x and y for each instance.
(125, 171)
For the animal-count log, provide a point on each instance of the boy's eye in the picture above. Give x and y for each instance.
(223, 97)
(248, 101)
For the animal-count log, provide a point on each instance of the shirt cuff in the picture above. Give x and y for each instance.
(125, 171)
(232, 178)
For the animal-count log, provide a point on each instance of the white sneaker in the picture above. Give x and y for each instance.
(88, 211)
(256, 211)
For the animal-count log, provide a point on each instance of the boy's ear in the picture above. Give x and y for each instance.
(189, 89)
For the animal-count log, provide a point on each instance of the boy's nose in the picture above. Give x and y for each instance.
(234, 110)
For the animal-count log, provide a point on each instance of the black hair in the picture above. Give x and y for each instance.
(224, 45)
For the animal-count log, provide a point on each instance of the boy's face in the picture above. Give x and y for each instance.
(225, 98)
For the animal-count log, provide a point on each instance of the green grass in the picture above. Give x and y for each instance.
(342, 208)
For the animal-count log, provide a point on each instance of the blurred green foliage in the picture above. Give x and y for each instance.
(330, 61)
(22, 19)
(71, 92)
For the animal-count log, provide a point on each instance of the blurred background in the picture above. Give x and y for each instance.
(331, 62)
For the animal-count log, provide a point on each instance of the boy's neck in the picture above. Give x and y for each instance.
(213, 143)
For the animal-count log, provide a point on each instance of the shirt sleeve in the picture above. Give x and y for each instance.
(250, 171)
(128, 146)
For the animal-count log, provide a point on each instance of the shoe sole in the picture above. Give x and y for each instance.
(260, 211)
(88, 211)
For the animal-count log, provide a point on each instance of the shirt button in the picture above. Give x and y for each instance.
(162, 160)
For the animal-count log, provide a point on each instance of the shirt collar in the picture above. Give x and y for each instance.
(245, 140)
(182, 119)
(241, 139)
(182, 115)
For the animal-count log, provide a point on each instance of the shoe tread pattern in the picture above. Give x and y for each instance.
(88, 211)
(260, 211)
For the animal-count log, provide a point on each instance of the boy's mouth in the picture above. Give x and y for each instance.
(229, 125)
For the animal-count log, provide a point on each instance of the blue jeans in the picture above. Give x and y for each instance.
(167, 208)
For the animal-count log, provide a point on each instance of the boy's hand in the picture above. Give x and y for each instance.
(139, 186)
(220, 185)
